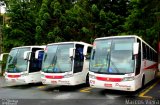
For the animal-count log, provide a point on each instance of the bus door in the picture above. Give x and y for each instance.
(78, 63)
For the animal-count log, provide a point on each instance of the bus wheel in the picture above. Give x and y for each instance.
(143, 81)
(87, 79)
(155, 74)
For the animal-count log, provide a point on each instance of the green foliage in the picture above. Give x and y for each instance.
(143, 20)
(1, 19)
(49, 21)
(21, 24)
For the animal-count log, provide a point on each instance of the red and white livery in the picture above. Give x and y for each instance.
(66, 63)
(124, 63)
(22, 67)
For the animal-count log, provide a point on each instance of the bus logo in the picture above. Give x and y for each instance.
(107, 79)
(122, 86)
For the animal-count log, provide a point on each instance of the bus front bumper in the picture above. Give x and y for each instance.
(59, 82)
(19, 81)
(124, 85)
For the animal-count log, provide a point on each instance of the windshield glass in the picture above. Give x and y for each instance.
(112, 56)
(15, 61)
(56, 59)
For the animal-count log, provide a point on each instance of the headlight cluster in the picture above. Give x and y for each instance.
(68, 75)
(42, 75)
(4, 74)
(128, 78)
(24, 74)
(92, 76)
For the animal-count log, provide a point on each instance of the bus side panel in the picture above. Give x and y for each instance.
(148, 70)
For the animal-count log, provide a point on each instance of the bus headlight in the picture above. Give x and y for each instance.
(92, 76)
(4, 74)
(68, 75)
(128, 79)
(42, 75)
(24, 74)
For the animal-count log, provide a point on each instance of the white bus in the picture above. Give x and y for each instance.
(66, 63)
(22, 67)
(124, 63)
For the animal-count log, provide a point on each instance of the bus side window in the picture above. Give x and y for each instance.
(89, 49)
(40, 58)
(138, 60)
(149, 53)
(144, 51)
(79, 58)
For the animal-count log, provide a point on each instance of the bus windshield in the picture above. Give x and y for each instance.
(113, 56)
(56, 59)
(15, 61)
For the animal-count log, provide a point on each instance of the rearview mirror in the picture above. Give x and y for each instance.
(1, 56)
(26, 55)
(85, 51)
(71, 52)
(39, 53)
(135, 48)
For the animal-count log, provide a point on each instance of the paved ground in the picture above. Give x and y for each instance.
(38, 94)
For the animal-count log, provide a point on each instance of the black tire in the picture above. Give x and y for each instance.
(155, 75)
(87, 79)
(143, 81)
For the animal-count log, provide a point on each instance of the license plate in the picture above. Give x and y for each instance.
(13, 80)
(54, 82)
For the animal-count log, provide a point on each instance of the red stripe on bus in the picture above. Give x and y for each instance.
(14, 76)
(53, 77)
(152, 66)
(109, 79)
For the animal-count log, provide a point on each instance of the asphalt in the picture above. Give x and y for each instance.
(2, 81)
(152, 90)
(38, 94)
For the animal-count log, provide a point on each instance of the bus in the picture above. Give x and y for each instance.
(123, 63)
(66, 63)
(22, 67)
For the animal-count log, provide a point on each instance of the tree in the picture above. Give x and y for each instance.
(142, 20)
(109, 16)
(21, 24)
(77, 24)
(50, 21)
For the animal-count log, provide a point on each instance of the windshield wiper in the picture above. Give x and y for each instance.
(107, 60)
(115, 67)
(54, 61)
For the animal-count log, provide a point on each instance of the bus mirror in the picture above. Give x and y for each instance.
(71, 52)
(1, 56)
(135, 48)
(26, 55)
(38, 53)
(85, 51)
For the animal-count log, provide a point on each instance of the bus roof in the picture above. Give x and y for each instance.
(72, 42)
(34, 46)
(122, 36)
(126, 36)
